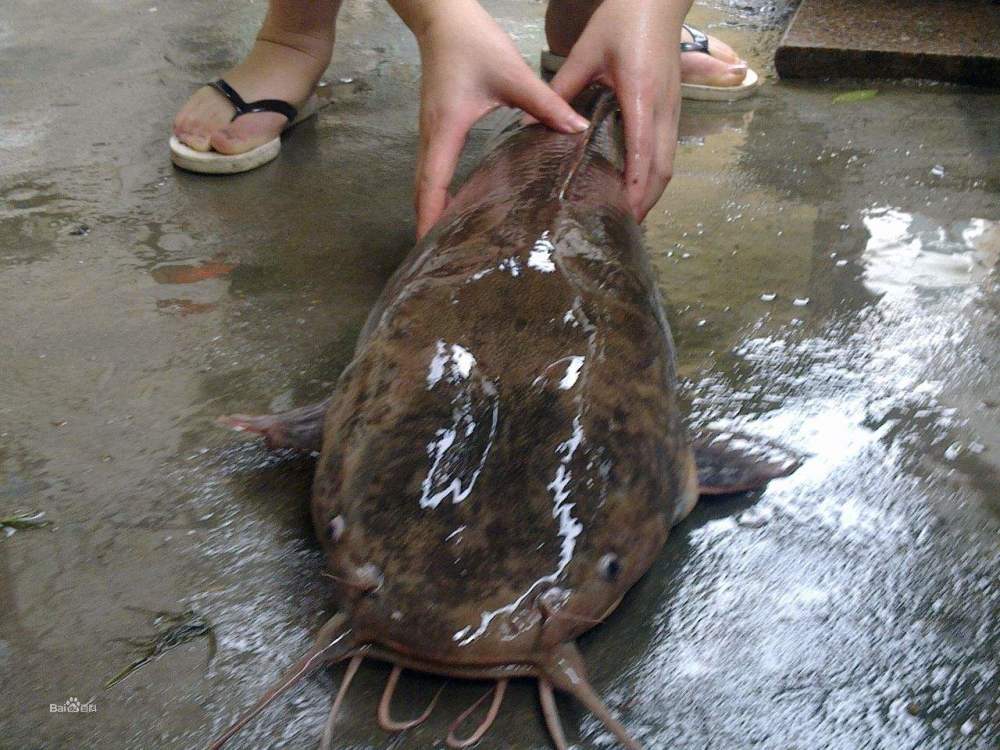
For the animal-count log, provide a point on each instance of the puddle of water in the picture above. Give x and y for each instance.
(911, 251)
(19, 133)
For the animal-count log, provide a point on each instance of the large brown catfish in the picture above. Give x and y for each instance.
(504, 456)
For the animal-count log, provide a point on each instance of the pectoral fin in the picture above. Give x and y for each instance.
(298, 429)
(731, 462)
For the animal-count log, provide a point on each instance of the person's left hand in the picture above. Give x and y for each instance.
(631, 47)
(469, 68)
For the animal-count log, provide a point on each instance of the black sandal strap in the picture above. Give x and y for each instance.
(261, 105)
(699, 43)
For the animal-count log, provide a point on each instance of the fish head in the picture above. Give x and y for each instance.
(482, 525)
(493, 593)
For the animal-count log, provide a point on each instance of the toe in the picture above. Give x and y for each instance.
(192, 132)
(203, 114)
(704, 70)
(722, 51)
(197, 141)
(716, 48)
(226, 141)
(247, 133)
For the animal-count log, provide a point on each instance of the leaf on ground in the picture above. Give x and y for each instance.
(173, 629)
(861, 95)
(21, 520)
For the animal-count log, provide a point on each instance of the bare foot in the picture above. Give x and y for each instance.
(280, 66)
(720, 67)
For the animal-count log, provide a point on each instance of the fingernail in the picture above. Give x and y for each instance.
(736, 67)
(579, 123)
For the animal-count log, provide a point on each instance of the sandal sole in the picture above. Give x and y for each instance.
(697, 92)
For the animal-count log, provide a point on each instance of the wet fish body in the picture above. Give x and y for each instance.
(515, 383)
(504, 456)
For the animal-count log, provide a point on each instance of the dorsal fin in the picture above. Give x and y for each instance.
(604, 104)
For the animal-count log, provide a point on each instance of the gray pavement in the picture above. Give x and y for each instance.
(829, 263)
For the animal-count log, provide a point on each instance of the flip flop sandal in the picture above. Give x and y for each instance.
(552, 62)
(212, 162)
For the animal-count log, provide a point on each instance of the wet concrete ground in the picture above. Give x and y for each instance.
(829, 263)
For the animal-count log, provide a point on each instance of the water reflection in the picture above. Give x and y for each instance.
(908, 251)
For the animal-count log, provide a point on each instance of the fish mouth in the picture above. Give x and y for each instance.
(557, 627)
(460, 670)
(561, 667)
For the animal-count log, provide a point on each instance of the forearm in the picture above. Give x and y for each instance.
(420, 15)
(671, 11)
(678, 9)
(565, 20)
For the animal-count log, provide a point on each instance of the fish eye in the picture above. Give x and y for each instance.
(609, 566)
(335, 529)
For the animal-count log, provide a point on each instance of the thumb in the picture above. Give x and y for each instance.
(545, 105)
(441, 142)
(572, 78)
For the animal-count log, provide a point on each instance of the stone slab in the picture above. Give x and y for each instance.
(941, 40)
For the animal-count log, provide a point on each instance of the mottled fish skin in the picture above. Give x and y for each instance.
(504, 456)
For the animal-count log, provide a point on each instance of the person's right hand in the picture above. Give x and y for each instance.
(470, 67)
(631, 47)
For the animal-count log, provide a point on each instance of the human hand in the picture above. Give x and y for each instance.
(631, 47)
(469, 68)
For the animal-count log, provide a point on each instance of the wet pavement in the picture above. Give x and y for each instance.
(829, 261)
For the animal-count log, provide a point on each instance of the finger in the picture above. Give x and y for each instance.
(666, 116)
(636, 101)
(572, 77)
(662, 167)
(541, 102)
(441, 144)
